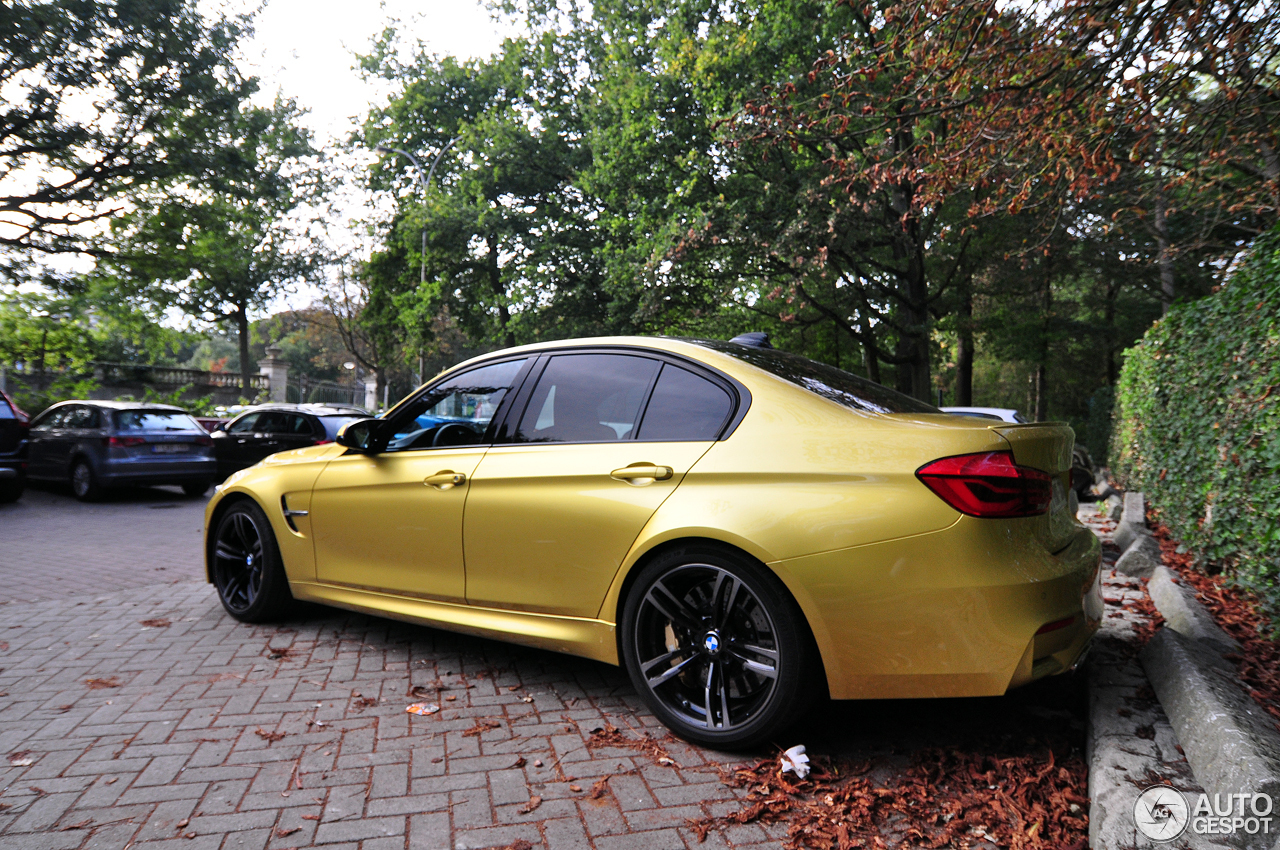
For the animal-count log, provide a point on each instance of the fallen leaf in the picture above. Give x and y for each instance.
(269, 736)
(21, 758)
(600, 788)
(520, 762)
(285, 833)
(84, 824)
(533, 803)
(156, 623)
(480, 728)
(99, 684)
(575, 788)
(311, 817)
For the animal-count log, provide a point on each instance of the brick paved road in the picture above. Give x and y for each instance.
(207, 733)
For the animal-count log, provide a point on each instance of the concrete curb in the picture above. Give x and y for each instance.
(1230, 742)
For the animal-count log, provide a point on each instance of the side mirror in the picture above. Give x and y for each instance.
(363, 435)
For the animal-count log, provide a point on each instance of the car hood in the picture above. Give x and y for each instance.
(325, 451)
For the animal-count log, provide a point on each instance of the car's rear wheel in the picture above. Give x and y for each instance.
(11, 490)
(84, 483)
(717, 648)
(246, 567)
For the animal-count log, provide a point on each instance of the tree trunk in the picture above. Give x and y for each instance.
(242, 333)
(1165, 257)
(964, 348)
(500, 292)
(1042, 368)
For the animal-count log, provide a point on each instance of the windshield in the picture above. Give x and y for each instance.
(154, 420)
(833, 384)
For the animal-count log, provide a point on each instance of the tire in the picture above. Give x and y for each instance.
(11, 491)
(84, 483)
(195, 489)
(245, 565)
(717, 648)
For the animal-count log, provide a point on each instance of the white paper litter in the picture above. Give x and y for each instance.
(795, 761)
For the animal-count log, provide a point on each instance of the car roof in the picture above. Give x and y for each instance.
(121, 405)
(315, 409)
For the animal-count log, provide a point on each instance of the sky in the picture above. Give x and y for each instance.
(306, 49)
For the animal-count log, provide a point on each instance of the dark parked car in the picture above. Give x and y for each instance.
(98, 444)
(13, 449)
(270, 428)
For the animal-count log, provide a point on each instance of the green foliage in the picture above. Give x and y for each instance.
(94, 96)
(202, 406)
(1198, 422)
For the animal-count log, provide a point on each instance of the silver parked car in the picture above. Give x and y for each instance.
(98, 444)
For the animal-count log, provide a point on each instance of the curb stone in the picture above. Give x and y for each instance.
(1140, 559)
(1230, 743)
(1130, 743)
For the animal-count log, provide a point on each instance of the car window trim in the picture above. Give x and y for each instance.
(739, 395)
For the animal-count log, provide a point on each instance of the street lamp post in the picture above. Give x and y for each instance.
(424, 182)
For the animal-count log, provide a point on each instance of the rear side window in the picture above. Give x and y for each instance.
(587, 398)
(83, 417)
(154, 420)
(685, 407)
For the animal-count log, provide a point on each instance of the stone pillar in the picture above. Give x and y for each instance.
(371, 393)
(277, 372)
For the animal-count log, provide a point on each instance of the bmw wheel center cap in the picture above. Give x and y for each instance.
(712, 642)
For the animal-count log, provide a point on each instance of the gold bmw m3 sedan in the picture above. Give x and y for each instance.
(736, 526)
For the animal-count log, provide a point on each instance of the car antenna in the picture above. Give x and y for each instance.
(755, 339)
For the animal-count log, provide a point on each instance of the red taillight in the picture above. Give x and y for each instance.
(125, 442)
(988, 484)
(323, 442)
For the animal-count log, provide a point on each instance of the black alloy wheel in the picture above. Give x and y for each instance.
(84, 484)
(245, 565)
(717, 648)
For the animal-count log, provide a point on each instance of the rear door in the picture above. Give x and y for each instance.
(294, 431)
(552, 514)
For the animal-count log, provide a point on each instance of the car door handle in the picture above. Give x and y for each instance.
(445, 480)
(642, 473)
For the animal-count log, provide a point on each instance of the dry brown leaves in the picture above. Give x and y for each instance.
(480, 728)
(944, 798)
(100, 684)
(156, 623)
(1258, 662)
(270, 737)
(361, 702)
(533, 803)
(610, 736)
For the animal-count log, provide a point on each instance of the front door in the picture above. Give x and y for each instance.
(392, 521)
(551, 517)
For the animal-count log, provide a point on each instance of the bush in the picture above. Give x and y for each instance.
(1198, 423)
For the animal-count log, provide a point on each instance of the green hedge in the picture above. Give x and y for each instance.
(1197, 423)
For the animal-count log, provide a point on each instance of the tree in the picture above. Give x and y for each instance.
(94, 94)
(226, 246)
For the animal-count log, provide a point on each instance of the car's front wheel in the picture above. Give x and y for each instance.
(246, 566)
(717, 648)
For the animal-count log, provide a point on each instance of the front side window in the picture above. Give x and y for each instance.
(456, 412)
(245, 424)
(587, 398)
(82, 417)
(51, 419)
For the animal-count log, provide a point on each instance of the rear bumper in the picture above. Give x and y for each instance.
(158, 472)
(949, 613)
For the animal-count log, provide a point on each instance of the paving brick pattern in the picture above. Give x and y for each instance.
(117, 730)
